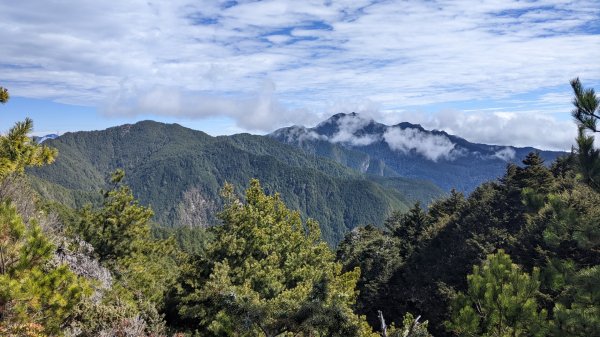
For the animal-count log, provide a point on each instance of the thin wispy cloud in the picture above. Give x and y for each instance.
(199, 59)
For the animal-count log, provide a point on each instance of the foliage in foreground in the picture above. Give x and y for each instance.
(501, 300)
(268, 274)
(35, 294)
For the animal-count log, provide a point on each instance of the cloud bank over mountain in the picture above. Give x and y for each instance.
(432, 147)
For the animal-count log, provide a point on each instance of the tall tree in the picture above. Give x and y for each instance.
(269, 274)
(587, 106)
(143, 268)
(115, 230)
(37, 296)
(377, 254)
(408, 228)
(586, 114)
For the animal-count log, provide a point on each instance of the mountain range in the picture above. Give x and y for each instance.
(345, 172)
(180, 172)
(406, 150)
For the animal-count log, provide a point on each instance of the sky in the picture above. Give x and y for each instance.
(490, 71)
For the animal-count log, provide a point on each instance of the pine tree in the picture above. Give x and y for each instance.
(35, 295)
(377, 254)
(587, 106)
(586, 114)
(115, 230)
(589, 159)
(446, 206)
(269, 274)
(500, 301)
(17, 150)
(580, 317)
(143, 268)
(571, 244)
(534, 174)
(408, 228)
(4, 96)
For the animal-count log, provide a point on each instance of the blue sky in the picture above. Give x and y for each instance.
(489, 71)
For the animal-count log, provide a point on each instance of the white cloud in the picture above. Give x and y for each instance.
(432, 147)
(526, 128)
(506, 154)
(348, 131)
(259, 111)
(213, 57)
(300, 134)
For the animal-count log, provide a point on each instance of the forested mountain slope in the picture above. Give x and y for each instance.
(406, 150)
(179, 172)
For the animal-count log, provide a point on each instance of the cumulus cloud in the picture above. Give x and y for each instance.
(348, 132)
(431, 146)
(395, 53)
(260, 111)
(299, 134)
(522, 129)
(506, 154)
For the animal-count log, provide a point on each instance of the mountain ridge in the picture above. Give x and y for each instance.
(406, 150)
(171, 167)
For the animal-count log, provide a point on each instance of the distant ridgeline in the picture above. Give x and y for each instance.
(406, 150)
(345, 172)
(180, 172)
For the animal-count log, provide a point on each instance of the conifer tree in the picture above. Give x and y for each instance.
(535, 175)
(144, 268)
(18, 150)
(500, 302)
(35, 296)
(587, 106)
(269, 274)
(588, 159)
(4, 96)
(377, 254)
(580, 317)
(408, 228)
(446, 206)
(586, 114)
(115, 230)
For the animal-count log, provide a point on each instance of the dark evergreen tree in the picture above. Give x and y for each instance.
(377, 254)
(586, 114)
(587, 106)
(408, 228)
(445, 207)
(535, 175)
